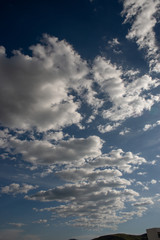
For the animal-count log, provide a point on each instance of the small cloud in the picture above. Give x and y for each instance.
(153, 181)
(151, 126)
(108, 127)
(17, 224)
(114, 42)
(15, 188)
(41, 221)
(131, 73)
(125, 131)
(141, 173)
(143, 202)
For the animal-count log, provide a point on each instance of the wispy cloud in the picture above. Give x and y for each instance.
(142, 16)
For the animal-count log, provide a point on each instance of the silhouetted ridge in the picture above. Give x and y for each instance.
(122, 237)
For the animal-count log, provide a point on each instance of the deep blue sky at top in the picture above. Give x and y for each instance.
(86, 25)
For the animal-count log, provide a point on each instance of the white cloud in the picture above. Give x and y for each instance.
(39, 86)
(2, 51)
(151, 126)
(142, 173)
(17, 224)
(114, 42)
(153, 181)
(15, 188)
(129, 99)
(97, 206)
(108, 76)
(66, 151)
(126, 162)
(88, 174)
(131, 73)
(53, 135)
(40, 221)
(142, 14)
(143, 202)
(108, 127)
(144, 186)
(125, 131)
(94, 191)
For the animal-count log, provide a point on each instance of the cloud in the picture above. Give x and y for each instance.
(95, 206)
(153, 181)
(126, 162)
(143, 202)
(128, 99)
(40, 221)
(151, 126)
(125, 131)
(39, 86)
(17, 224)
(47, 90)
(142, 16)
(52, 83)
(87, 174)
(15, 188)
(114, 42)
(108, 127)
(66, 151)
(94, 191)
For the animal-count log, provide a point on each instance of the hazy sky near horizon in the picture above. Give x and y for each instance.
(79, 118)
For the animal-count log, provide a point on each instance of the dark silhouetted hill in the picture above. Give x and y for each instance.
(122, 236)
(72, 239)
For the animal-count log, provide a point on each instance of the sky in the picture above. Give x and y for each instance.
(79, 118)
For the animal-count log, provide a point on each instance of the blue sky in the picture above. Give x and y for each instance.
(79, 118)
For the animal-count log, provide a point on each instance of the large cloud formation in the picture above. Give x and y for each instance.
(43, 93)
(35, 89)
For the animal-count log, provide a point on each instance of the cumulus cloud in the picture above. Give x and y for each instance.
(94, 183)
(39, 86)
(108, 127)
(94, 191)
(125, 161)
(114, 42)
(16, 188)
(142, 16)
(153, 181)
(128, 99)
(88, 174)
(124, 131)
(66, 151)
(151, 126)
(47, 90)
(95, 206)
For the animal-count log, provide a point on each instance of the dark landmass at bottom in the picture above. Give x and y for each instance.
(122, 236)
